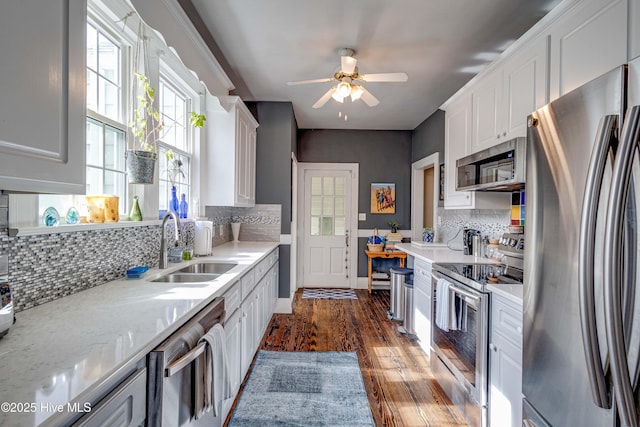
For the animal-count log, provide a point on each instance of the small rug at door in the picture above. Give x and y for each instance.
(303, 389)
(311, 293)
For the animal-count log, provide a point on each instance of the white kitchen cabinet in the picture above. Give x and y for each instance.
(505, 362)
(586, 42)
(42, 107)
(249, 331)
(230, 155)
(457, 138)
(504, 98)
(422, 303)
(233, 338)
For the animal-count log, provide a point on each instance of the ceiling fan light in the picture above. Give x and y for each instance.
(336, 95)
(356, 92)
(344, 89)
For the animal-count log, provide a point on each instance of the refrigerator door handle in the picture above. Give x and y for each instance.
(613, 250)
(597, 164)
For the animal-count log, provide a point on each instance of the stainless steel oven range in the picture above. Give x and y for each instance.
(460, 332)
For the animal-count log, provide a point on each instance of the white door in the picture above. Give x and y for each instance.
(327, 217)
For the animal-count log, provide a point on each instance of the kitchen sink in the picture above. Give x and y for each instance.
(208, 268)
(178, 277)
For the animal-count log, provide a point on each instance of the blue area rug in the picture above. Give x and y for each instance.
(303, 389)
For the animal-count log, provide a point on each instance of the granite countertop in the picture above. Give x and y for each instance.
(59, 351)
(437, 253)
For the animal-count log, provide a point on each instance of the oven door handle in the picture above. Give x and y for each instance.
(464, 293)
(185, 360)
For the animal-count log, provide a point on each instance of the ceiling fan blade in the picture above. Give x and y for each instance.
(348, 64)
(323, 100)
(385, 77)
(304, 82)
(369, 99)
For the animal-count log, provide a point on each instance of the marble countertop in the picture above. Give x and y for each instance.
(441, 254)
(59, 351)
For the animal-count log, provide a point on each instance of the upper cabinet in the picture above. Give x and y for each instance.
(505, 96)
(42, 106)
(230, 157)
(586, 42)
(457, 132)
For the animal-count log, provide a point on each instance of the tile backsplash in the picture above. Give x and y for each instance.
(46, 267)
(489, 222)
(259, 223)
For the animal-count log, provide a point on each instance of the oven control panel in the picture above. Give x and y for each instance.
(512, 244)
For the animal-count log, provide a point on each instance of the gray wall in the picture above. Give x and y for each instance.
(383, 156)
(428, 138)
(276, 139)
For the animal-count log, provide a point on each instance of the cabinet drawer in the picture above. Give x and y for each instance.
(123, 407)
(232, 299)
(248, 282)
(422, 267)
(506, 319)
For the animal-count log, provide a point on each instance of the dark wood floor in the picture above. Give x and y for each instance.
(399, 384)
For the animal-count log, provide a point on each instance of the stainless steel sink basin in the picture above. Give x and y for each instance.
(186, 278)
(208, 268)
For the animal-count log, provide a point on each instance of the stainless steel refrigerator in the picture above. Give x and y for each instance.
(581, 275)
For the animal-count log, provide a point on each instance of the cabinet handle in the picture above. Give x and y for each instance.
(493, 347)
(498, 136)
(504, 134)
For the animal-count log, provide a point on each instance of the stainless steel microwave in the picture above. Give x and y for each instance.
(499, 168)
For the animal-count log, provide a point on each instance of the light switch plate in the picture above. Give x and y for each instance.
(362, 216)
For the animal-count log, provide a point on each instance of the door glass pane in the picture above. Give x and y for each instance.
(315, 226)
(327, 206)
(316, 185)
(327, 226)
(339, 231)
(316, 205)
(339, 186)
(328, 186)
(339, 202)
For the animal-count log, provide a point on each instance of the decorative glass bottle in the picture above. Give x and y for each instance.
(173, 202)
(136, 213)
(184, 207)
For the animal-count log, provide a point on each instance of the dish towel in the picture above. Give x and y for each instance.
(445, 313)
(215, 373)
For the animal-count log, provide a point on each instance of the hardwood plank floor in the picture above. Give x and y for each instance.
(399, 384)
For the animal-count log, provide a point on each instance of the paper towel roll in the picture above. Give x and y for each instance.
(203, 237)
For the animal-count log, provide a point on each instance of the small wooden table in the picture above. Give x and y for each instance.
(384, 254)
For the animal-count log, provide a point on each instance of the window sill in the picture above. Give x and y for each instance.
(34, 231)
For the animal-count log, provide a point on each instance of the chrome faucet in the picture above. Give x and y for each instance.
(163, 245)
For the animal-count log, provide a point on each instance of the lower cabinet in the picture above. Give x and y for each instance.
(125, 406)
(505, 363)
(233, 337)
(422, 303)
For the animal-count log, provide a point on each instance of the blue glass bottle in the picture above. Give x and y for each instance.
(184, 207)
(173, 202)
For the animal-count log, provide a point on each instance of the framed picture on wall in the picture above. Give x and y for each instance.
(383, 198)
(441, 197)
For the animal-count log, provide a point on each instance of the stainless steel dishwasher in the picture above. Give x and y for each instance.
(173, 369)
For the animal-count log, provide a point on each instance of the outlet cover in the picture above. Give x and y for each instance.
(362, 216)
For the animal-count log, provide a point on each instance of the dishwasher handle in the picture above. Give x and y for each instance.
(185, 360)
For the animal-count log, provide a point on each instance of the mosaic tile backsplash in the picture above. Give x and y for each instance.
(260, 223)
(489, 222)
(46, 267)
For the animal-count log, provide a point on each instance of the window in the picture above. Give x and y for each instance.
(177, 137)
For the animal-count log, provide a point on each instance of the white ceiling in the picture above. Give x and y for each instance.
(440, 44)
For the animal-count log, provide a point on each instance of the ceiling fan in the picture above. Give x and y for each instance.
(350, 81)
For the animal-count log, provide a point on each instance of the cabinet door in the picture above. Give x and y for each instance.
(233, 335)
(587, 42)
(525, 86)
(487, 105)
(505, 390)
(42, 102)
(457, 138)
(248, 332)
(245, 160)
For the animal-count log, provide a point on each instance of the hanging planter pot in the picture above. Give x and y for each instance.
(140, 165)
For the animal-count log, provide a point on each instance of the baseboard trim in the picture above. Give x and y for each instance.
(363, 283)
(284, 305)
